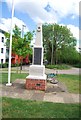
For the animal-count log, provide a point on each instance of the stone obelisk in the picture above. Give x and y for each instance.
(37, 77)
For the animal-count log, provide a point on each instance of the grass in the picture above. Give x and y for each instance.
(16, 108)
(12, 69)
(59, 66)
(71, 81)
(14, 76)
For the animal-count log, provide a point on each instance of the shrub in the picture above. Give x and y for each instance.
(0, 65)
(15, 65)
(4, 65)
(59, 66)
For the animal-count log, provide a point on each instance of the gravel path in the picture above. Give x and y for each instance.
(69, 71)
(74, 71)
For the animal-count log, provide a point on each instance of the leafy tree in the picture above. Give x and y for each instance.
(20, 46)
(57, 41)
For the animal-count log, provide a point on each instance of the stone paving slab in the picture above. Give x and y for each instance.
(17, 90)
(37, 96)
(67, 97)
(53, 98)
(76, 97)
(60, 87)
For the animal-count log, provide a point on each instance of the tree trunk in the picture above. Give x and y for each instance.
(17, 66)
(54, 56)
(21, 66)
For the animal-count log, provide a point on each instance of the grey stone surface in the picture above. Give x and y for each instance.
(37, 96)
(53, 98)
(59, 87)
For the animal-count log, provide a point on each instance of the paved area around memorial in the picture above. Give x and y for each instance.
(54, 93)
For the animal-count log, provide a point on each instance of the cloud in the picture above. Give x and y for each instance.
(72, 17)
(75, 31)
(35, 9)
(16, 21)
(2, 27)
(65, 8)
(37, 12)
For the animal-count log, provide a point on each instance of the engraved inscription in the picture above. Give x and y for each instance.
(37, 56)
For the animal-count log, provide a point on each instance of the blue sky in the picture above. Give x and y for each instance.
(33, 11)
(6, 13)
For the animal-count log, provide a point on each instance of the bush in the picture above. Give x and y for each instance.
(0, 65)
(59, 66)
(15, 65)
(77, 65)
(4, 65)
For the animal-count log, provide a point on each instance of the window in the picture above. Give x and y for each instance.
(1, 60)
(1, 50)
(2, 39)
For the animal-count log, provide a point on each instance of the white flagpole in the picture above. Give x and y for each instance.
(10, 49)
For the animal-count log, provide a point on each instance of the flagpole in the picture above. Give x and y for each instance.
(10, 48)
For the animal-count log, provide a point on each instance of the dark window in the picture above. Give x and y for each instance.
(1, 50)
(1, 60)
(2, 39)
(7, 60)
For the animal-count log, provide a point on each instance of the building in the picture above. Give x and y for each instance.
(3, 54)
(17, 59)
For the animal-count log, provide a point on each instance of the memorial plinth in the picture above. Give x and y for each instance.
(37, 77)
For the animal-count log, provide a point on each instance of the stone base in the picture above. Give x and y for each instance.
(37, 70)
(36, 84)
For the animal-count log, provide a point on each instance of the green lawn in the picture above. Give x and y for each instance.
(6, 69)
(13, 69)
(14, 76)
(71, 81)
(16, 108)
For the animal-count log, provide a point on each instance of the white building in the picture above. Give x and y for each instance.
(2, 44)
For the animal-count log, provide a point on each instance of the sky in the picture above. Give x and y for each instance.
(32, 12)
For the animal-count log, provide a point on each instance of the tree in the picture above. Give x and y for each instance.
(20, 46)
(58, 38)
(47, 37)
